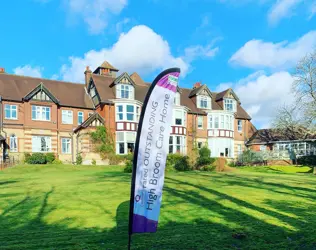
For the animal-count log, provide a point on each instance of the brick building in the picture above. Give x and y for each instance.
(42, 115)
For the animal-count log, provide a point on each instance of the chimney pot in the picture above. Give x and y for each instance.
(196, 85)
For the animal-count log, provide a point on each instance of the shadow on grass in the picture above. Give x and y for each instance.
(23, 226)
(7, 182)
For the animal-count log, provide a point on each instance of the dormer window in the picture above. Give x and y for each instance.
(177, 99)
(230, 104)
(124, 91)
(204, 102)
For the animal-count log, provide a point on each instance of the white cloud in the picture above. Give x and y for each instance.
(28, 70)
(283, 55)
(282, 9)
(312, 10)
(95, 13)
(140, 49)
(120, 24)
(261, 95)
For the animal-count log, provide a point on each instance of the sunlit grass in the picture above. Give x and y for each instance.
(86, 207)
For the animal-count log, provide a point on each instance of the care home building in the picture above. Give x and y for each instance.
(42, 115)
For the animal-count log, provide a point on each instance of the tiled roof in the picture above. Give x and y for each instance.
(264, 136)
(14, 88)
(107, 65)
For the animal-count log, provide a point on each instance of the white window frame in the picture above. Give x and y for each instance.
(132, 113)
(40, 112)
(200, 122)
(11, 108)
(210, 122)
(202, 100)
(38, 148)
(127, 137)
(67, 143)
(124, 91)
(123, 112)
(80, 114)
(67, 116)
(177, 99)
(216, 121)
(174, 144)
(13, 143)
(239, 126)
(230, 104)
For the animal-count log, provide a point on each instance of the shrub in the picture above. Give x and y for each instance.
(57, 162)
(208, 168)
(172, 159)
(231, 164)
(183, 164)
(309, 160)
(128, 166)
(94, 162)
(37, 158)
(50, 157)
(117, 159)
(27, 156)
(204, 157)
(79, 159)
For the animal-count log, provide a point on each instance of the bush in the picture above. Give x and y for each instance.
(37, 158)
(94, 162)
(50, 157)
(183, 164)
(208, 168)
(27, 156)
(79, 160)
(172, 160)
(204, 157)
(128, 167)
(308, 160)
(231, 164)
(57, 162)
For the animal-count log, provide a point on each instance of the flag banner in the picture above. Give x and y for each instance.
(151, 151)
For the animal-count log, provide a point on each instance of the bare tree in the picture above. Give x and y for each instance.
(300, 118)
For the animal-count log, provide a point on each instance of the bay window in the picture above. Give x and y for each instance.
(40, 113)
(127, 112)
(41, 144)
(130, 112)
(66, 146)
(222, 121)
(210, 121)
(216, 125)
(67, 116)
(179, 117)
(124, 91)
(10, 111)
(177, 144)
(125, 142)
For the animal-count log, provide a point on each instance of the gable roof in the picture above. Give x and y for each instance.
(107, 65)
(95, 117)
(198, 90)
(222, 94)
(137, 79)
(39, 88)
(15, 88)
(119, 78)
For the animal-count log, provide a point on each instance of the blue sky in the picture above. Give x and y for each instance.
(249, 45)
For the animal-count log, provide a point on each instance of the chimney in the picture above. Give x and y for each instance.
(196, 85)
(87, 77)
(2, 70)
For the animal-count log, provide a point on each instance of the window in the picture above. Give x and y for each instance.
(40, 113)
(41, 143)
(127, 112)
(124, 91)
(210, 121)
(222, 121)
(66, 117)
(178, 117)
(239, 149)
(227, 122)
(203, 102)
(13, 143)
(177, 99)
(66, 145)
(80, 118)
(216, 122)
(231, 123)
(200, 144)
(125, 142)
(130, 112)
(94, 95)
(177, 144)
(230, 104)
(200, 122)
(239, 125)
(11, 111)
(263, 147)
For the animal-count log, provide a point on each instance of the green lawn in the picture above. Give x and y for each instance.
(67, 207)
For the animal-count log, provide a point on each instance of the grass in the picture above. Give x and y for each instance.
(86, 207)
(280, 169)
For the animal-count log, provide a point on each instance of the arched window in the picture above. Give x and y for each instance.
(13, 143)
